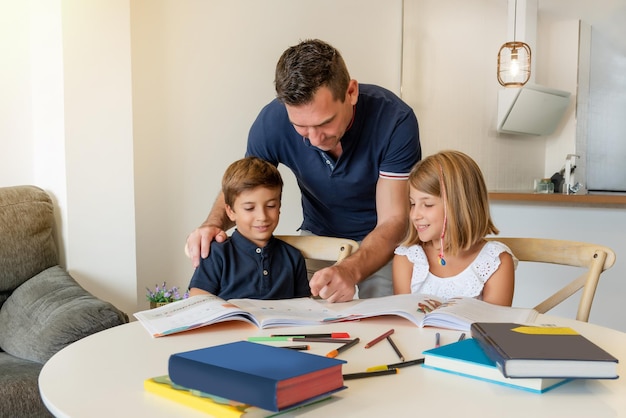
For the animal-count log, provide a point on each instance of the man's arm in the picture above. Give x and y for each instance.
(336, 283)
(214, 227)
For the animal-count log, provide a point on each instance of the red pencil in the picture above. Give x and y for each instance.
(379, 338)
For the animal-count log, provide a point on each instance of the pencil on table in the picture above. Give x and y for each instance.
(396, 365)
(379, 338)
(395, 348)
(437, 340)
(361, 375)
(297, 347)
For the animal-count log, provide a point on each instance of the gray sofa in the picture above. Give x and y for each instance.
(42, 308)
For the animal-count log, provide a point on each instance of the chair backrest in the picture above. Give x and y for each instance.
(593, 258)
(315, 247)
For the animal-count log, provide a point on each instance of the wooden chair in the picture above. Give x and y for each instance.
(313, 247)
(593, 258)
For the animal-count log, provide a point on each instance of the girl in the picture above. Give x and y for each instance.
(445, 253)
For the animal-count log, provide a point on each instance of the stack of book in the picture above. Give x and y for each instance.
(532, 358)
(215, 406)
(522, 351)
(244, 374)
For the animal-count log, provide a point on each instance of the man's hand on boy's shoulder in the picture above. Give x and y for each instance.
(199, 242)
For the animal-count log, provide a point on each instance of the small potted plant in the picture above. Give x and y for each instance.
(161, 295)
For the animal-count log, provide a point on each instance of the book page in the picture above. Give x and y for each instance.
(285, 312)
(190, 313)
(408, 306)
(460, 313)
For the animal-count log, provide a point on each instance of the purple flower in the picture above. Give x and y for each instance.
(163, 294)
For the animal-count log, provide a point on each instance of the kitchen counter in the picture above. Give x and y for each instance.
(590, 199)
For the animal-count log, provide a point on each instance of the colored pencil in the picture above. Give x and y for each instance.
(395, 348)
(379, 338)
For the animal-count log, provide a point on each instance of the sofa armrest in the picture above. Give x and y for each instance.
(49, 312)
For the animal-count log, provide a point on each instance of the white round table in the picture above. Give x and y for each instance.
(102, 376)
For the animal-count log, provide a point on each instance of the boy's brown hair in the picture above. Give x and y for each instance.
(249, 173)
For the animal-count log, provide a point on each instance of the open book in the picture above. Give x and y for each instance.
(422, 310)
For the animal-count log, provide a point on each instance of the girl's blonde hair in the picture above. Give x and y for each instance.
(465, 194)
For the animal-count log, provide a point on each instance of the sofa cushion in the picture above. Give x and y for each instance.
(19, 389)
(49, 312)
(26, 241)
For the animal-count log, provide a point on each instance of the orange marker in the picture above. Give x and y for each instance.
(344, 347)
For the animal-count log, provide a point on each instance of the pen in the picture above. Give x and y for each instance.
(437, 340)
(379, 338)
(462, 336)
(297, 347)
(269, 339)
(300, 339)
(320, 340)
(329, 335)
(396, 365)
(361, 375)
(344, 347)
(395, 348)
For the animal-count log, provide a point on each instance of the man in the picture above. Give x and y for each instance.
(351, 149)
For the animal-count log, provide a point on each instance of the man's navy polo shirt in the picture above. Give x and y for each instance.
(237, 268)
(339, 197)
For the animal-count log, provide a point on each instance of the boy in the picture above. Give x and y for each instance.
(252, 263)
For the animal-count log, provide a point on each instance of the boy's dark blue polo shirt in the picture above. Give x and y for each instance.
(237, 268)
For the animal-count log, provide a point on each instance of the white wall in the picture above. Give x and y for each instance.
(200, 79)
(16, 143)
(457, 107)
(66, 126)
(99, 148)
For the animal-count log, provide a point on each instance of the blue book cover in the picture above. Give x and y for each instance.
(271, 378)
(466, 358)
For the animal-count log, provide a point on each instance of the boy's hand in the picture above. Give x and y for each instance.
(199, 242)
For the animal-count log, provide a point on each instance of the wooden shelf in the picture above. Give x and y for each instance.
(575, 199)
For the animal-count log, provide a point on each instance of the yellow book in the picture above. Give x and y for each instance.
(213, 405)
(219, 407)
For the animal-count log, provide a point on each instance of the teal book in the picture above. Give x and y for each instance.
(264, 376)
(466, 358)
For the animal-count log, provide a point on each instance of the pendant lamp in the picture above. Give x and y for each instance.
(514, 60)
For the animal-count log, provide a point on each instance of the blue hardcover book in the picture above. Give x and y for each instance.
(271, 378)
(466, 358)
